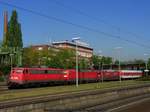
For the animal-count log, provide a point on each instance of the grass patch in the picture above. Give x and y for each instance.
(68, 88)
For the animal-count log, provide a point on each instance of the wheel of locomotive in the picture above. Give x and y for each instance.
(10, 85)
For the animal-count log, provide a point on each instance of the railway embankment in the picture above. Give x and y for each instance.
(73, 101)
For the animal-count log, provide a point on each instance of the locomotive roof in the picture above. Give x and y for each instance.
(37, 68)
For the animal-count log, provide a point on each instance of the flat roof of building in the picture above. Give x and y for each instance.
(72, 44)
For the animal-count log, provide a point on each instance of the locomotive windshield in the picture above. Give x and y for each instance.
(18, 71)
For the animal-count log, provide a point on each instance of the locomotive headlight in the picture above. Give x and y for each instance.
(14, 77)
(65, 75)
(11, 77)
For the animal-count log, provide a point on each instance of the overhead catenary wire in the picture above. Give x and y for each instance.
(82, 13)
(73, 24)
(78, 11)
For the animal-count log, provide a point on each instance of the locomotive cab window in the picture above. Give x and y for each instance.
(18, 71)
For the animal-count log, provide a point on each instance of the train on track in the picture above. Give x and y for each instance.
(20, 77)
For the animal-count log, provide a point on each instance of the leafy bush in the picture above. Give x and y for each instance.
(1, 79)
(5, 70)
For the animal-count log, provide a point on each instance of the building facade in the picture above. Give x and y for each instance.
(82, 49)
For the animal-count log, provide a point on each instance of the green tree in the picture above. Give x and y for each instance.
(30, 57)
(96, 60)
(51, 58)
(106, 60)
(135, 61)
(99, 60)
(13, 36)
(63, 59)
(0, 43)
(83, 64)
(116, 62)
(148, 63)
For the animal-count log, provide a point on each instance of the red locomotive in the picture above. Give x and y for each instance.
(32, 76)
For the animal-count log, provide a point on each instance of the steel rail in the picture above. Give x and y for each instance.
(54, 97)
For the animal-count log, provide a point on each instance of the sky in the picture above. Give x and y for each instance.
(103, 24)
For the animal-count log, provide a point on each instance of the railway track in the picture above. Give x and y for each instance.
(116, 105)
(3, 87)
(5, 90)
(2, 83)
(110, 106)
(80, 101)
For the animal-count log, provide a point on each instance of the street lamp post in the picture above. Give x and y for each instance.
(102, 72)
(0, 57)
(11, 60)
(39, 55)
(119, 67)
(146, 68)
(111, 66)
(75, 40)
(100, 55)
